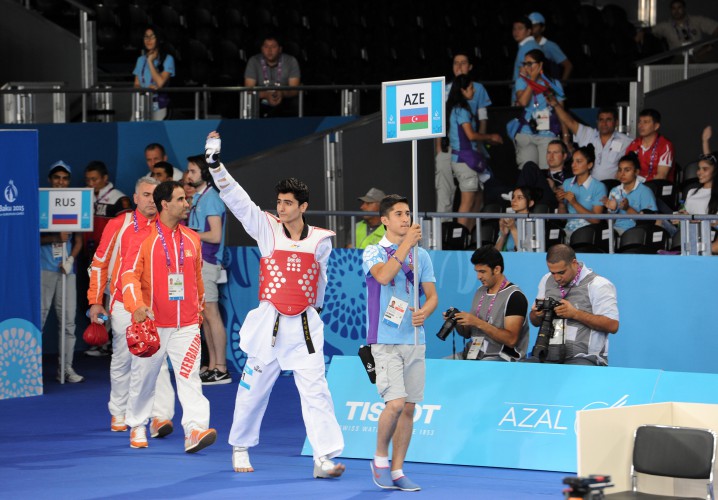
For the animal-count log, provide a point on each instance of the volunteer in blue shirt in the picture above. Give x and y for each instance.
(631, 196)
(581, 194)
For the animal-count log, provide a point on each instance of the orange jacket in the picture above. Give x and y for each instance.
(105, 267)
(145, 276)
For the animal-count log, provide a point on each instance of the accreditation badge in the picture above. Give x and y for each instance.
(57, 250)
(543, 119)
(395, 312)
(175, 286)
(475, 348)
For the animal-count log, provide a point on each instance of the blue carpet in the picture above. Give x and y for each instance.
(59, 446)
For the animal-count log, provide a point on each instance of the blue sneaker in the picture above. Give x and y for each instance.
(382, 476)
(406, 484)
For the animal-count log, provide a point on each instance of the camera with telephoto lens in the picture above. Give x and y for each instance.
(449, 324)
(548, 306)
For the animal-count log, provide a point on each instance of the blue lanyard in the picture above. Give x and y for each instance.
(167, 252)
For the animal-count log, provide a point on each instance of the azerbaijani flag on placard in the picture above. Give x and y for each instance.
(413, 119)
(64, 218)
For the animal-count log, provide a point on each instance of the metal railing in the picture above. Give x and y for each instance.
(696, 230)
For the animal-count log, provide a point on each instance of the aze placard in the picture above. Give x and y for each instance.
(413, 109)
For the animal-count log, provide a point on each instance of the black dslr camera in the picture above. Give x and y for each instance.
(548, 305)
(449, 324)
(586, 488)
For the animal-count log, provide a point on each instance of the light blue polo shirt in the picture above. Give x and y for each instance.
(378, 296)
(458, 117)
(204, 205)
(481, 98)
(552, 51)
(538, 103)
(588, 195)
(48, 263)
(639, 198)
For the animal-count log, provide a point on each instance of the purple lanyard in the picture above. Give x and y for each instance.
(491, 304)
(265, 74)
(574, 281)
(408, 271)
(134, 222)
(193, 208)
(167, 252)
(654, 151)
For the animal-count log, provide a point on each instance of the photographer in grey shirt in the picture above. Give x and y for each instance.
(497, 324)
(272, 68)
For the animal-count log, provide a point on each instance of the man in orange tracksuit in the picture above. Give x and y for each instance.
(162, 280)
(104, 274)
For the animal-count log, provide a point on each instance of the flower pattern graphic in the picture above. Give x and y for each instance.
(20, 359)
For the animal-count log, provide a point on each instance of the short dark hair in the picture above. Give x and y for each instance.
(487, 255)
(155, 145)
(537, 55)
(560, 253)
(97, 166)
(653, 113)
(588, 151)
(682, 2)
(388, 202)
(464, 53)
(609, 109)
(166, 166)
(631, 158)
(201, 162)
(163, 192)
(294, 186)
(525, 21)
(564, 148)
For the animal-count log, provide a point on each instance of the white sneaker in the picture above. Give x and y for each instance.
(240, 459)
(138, 437)
(71, 377)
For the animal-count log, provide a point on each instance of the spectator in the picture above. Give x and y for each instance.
(522, 33)
(161, 280)
(546, 182)
(631, 196)
(521, 203)
(58, 252)
(607, 142)
(370, 230)
(468, 165)
(581, 194)
(162, 171)
(538, 124)
(444, 177)
(684, 29)
(655, 152)
(104, 270)
(207, 218)
(503, 335)
(273, 68)
(587, 313)
(703, 199)
(560, 66)
(154, 153)
(153, 71)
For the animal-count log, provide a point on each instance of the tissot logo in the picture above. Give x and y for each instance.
(365, 410)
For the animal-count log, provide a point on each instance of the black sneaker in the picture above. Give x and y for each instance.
(217, 377)
(205, 375)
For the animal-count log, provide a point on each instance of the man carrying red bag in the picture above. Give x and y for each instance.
(162, 285)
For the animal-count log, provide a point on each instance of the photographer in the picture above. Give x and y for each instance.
(582, 315)
(497, 324)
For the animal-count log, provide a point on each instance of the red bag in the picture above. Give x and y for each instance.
(95, 334)
(143, 339)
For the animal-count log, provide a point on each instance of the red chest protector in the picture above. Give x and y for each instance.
(288, 278)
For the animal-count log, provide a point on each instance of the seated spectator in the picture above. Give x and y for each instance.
(655, 152)
(370, 230)
(468, 165)
(162, 171)
(272, 68)
(444, 177)
(546, 182)
(538, 124)
(559, 65)
(153, 70)
(607, 141)
(154, 153)
(581, 194)
(703, 199)
(522, 201)
(631, 196)
(497, 322)
(522, 33)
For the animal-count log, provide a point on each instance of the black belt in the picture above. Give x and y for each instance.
(305, 327)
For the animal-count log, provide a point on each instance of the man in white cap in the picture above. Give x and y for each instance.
(554, 54)
(370, 230)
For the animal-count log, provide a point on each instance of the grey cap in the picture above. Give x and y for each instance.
(59, 165)
(374, 195)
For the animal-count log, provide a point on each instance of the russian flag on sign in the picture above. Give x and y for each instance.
(64, 218)
(413, 119)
